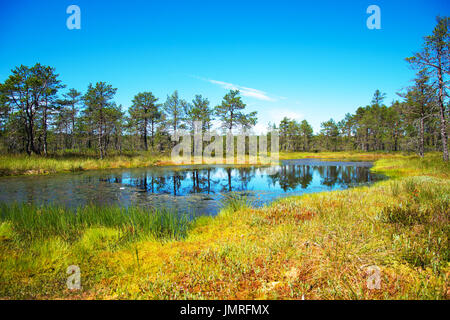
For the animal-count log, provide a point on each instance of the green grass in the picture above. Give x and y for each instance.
(343, 155)
(412, 165)
(39, 243)
(393, 165)
(422, 221)
(31, 165)
(315, 246)
(235, 201)
(31, 222)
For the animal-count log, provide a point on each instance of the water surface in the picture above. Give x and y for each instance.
(186, 188)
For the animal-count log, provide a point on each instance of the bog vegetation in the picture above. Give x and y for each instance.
(315, 246)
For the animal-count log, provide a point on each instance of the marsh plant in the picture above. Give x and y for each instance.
(421, 220)
(39, 222)
(235, 201)
(389, 240)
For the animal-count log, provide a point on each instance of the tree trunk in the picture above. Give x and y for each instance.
(145, 135)
(73, 128)
(153, 134)
(29, 138)
(44, 127)
(442, 116)
(421, 138)
(100, 134)
(29, 127)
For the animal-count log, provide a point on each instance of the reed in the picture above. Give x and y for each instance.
(31, 222)
(235, 201)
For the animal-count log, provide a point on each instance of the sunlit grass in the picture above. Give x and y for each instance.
(413, 165)
(235, 201)
(404, 163)
(342, 155)
(315, 246)
(32, 222)
(26, 165)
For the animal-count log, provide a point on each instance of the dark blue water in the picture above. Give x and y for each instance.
(186, 188)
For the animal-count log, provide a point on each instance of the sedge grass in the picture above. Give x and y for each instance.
(32, 165)
(40, 222)
(235, 201)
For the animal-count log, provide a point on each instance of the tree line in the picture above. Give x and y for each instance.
(36, 117)
(415, 122)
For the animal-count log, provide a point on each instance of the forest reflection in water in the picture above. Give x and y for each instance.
(187, 188)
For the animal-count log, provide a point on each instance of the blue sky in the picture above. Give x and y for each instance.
(311, 60)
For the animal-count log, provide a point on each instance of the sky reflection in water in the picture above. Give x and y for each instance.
(188, 188)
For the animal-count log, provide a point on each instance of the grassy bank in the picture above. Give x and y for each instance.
(31, 222)
(316, 246)
(73, 162)
(32, 165)
(35, 165)
(344, 155)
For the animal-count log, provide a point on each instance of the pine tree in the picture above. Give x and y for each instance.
(145, 112)
(435, 57)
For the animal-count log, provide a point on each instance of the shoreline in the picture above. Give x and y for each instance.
(315, 246)
(22, 165)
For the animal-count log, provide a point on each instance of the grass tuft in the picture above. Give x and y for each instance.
(235, 201)
(31, 222)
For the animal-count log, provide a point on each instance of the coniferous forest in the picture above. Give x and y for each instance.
(40, 115)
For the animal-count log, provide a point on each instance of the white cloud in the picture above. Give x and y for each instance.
(275, 118)
(245, 91)
(279, 114)
(260, 128)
